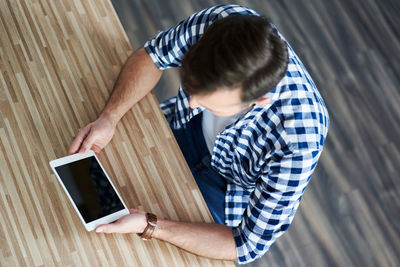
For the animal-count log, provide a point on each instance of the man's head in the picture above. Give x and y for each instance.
(234, 64)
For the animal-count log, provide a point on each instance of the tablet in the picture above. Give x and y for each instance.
(90, 190)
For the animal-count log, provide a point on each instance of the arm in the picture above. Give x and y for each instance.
(274, 202)
(204, 239)
(137, 78)
(143, 70)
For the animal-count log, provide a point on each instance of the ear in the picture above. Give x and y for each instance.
(263, 101)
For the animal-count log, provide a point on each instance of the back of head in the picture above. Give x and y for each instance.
(239, 51)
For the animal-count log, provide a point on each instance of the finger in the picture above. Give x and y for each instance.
(96, 149)
(108, 228)
(100, 228)
(78, 141)
(87, 143)
(132, 211)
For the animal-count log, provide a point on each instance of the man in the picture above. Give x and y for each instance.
(248, 118)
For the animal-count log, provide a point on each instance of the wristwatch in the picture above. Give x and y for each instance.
(151, 225)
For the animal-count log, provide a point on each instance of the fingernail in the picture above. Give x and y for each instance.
(99, 230)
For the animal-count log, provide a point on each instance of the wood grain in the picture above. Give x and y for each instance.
(58, 63)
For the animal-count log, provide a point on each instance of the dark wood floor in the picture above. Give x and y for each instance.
(350, 213)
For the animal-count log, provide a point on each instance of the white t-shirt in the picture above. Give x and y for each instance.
(212, 125)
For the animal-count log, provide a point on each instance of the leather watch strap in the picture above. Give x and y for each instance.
(151, 225)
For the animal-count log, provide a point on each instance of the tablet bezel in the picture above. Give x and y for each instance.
(103, 220)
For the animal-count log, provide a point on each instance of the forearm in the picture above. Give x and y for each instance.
(137, 78)
(204, 239)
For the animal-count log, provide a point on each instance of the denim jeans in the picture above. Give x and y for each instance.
(211, 184)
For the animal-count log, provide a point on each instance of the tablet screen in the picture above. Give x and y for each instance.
(89, 188)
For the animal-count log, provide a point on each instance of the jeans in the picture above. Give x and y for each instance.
(212, 186)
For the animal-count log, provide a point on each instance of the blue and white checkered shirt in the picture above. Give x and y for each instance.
(269, 155)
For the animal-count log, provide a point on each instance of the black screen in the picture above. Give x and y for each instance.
(89, 188)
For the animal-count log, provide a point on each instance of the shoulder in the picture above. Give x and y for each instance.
(226, 10)
(168, 47)
(207, 16)
(297, 115)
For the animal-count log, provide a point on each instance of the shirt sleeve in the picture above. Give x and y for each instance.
(273, 203)
(167, 48)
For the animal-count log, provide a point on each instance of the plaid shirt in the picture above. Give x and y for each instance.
(267, 156)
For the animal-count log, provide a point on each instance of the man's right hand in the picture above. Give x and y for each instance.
(94, 136)
(136, 79)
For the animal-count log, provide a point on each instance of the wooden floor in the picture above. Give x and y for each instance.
(350, 214)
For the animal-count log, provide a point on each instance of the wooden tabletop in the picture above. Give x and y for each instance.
(58, 63)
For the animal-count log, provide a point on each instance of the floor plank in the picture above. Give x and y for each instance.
(350, 214)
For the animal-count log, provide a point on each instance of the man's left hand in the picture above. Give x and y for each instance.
(135, 222)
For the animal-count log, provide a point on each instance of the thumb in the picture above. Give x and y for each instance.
(88, 142)
(108, 228)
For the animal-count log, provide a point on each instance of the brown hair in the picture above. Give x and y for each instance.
(236, 51)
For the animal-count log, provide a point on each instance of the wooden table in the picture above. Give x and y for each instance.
(58, 63)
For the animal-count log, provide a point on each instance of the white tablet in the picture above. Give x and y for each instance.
(89, 189)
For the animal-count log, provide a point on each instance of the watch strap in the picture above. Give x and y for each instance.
(151, 225)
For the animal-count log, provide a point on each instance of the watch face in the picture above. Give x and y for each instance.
(151, 219)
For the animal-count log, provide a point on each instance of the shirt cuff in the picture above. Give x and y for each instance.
(245, 249)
